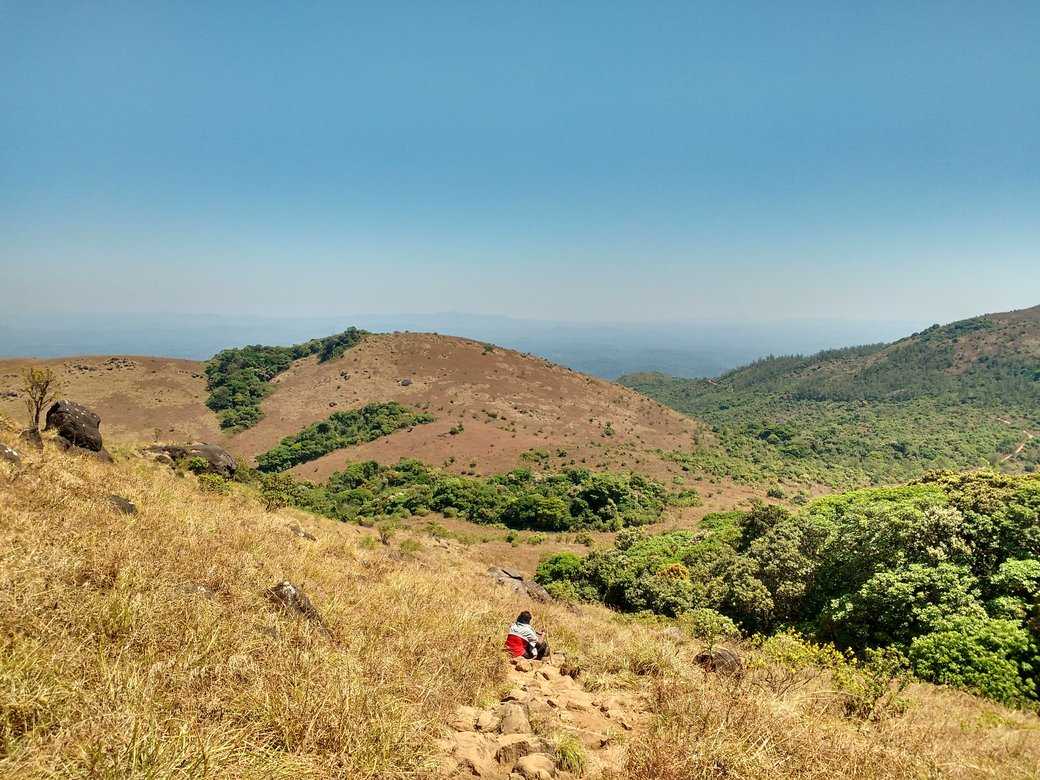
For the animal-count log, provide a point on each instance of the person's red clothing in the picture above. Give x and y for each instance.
(516, 645)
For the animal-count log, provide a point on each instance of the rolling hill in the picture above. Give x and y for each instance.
(490, 409)
(962, 395)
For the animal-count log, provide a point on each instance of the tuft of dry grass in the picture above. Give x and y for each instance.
(143, 646)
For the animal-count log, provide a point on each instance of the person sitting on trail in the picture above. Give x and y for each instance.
(522, 640)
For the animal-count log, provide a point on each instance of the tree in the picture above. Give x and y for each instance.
(40, 387)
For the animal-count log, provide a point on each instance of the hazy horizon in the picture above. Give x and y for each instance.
(689, 349)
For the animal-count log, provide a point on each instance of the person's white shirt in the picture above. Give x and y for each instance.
(527, 633)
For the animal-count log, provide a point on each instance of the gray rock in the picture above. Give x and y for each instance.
(124, 505)
(9, 455)
(513, 579)
(292, 599)
(218, 460)
(295, 530)
(102, 455)
(76, 424)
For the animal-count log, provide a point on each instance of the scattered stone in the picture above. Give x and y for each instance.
(721, 661)
(218, 460)
(514, 719)
(487, 721)
(76, 424)
(512, 747)
(297, 531)
(405, 382)
(522, 664)
(124, 505)
(569, 668)
(292, 599)
(536, 766)
(10, 455)
(465, 719)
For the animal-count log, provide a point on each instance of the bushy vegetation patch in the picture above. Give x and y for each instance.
(341, 429)
(564, 501)
(945, 570)
(237, 379)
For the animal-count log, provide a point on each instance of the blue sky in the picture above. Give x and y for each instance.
(567, 161)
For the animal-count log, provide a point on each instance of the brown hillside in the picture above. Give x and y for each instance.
(507, 404)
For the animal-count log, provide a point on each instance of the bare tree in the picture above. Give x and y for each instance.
(40, 387)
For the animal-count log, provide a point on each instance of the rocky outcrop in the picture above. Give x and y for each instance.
(218, 460)
(515, 580)
(77, 425)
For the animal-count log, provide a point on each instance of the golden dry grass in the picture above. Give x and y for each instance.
(143, 647)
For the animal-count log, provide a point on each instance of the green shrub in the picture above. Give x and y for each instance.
(883, 568)
(341, 429)
(214, 483)
(568, 500)
(993, 657)
(708, 625)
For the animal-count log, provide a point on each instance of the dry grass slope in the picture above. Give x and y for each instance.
(142, 646)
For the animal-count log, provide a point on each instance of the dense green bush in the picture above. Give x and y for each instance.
(945, 570)
(341, 429)
(237, 379)
(569, 500)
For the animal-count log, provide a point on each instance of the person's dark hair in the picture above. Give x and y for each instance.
(524, 617)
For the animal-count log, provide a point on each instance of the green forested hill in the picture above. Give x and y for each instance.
(960, 395)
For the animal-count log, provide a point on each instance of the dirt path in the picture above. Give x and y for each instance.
(1018, 450)
(519, 735)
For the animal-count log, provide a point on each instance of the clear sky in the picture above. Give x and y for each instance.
(644, 161)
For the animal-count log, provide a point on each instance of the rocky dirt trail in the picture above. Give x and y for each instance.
(525, 735)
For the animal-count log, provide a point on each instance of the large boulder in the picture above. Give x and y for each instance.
(721, 661)
(75, 424)
(218, 460)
